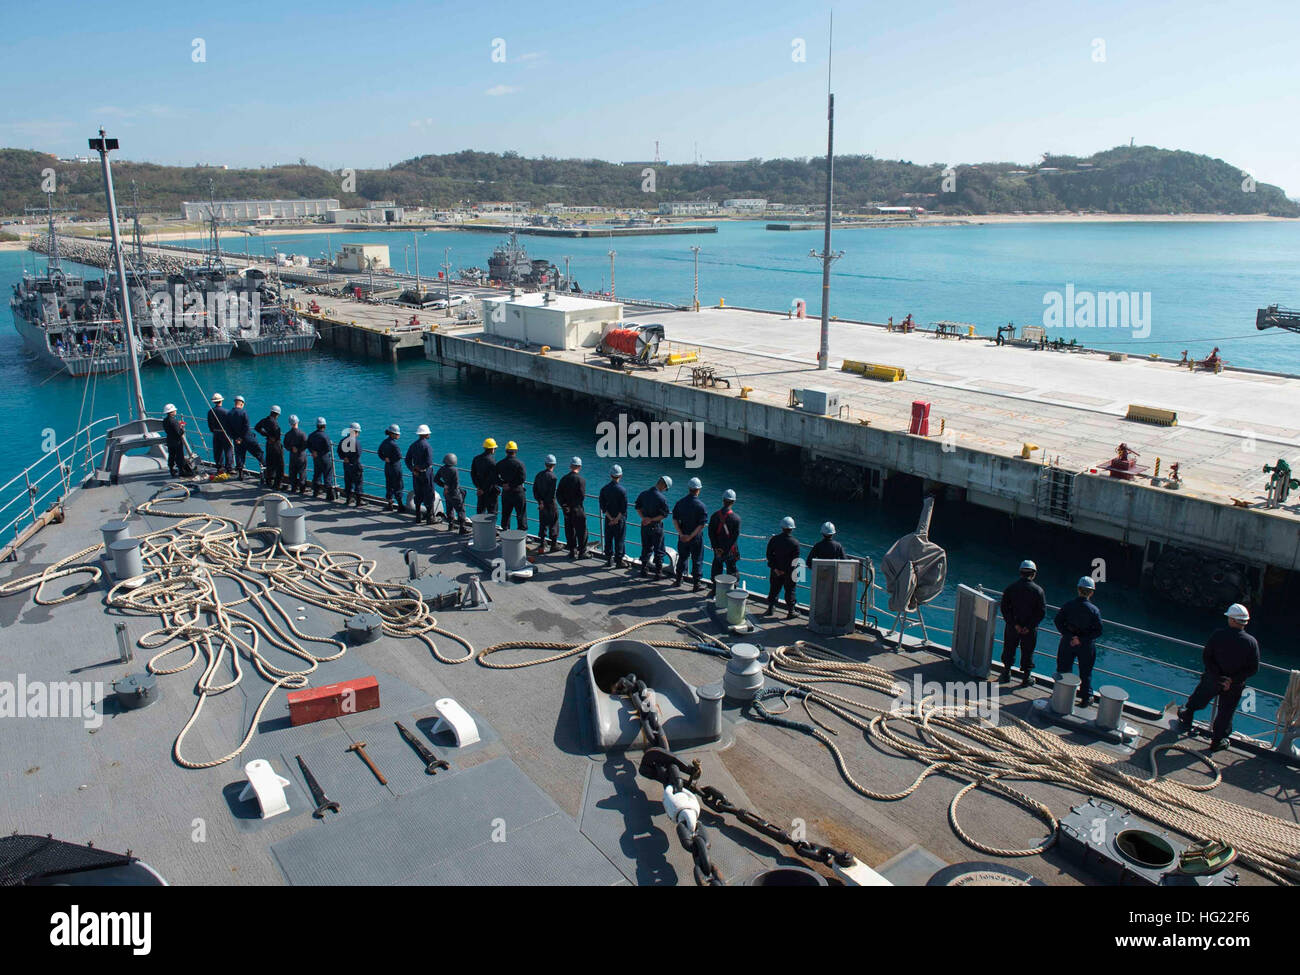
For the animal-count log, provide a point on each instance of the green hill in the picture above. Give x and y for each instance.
(1128, 179)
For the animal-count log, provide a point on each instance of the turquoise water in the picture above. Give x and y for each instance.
(1206, 280)
(751, 267)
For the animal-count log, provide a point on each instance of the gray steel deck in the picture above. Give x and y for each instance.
(570, 817)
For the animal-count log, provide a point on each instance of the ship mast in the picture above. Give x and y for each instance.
(103, 146)
(52, 259)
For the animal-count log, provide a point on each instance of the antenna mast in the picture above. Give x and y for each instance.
(103, 146)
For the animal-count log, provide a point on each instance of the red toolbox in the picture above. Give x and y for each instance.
(332, 700)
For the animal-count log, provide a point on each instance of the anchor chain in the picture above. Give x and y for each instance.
(683, 795)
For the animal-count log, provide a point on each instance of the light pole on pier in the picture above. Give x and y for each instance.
(695, 298)
(568, 282)
(612, 255)
(446, 274)
(415, 237)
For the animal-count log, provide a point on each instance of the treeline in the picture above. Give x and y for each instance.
(1128, 179)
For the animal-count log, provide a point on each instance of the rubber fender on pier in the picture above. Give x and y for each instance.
(1152, 414)
(874, 370)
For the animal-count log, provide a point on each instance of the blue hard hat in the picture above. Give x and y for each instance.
(1086, 582)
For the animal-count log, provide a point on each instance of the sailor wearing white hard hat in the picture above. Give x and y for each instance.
(295, 441)
(273, 462)
(548, 512)
(390, 452)
(1023, 607)
(350, 454)
(419, 460)
(322, 455)
(613, 517)
(571, 495)
(724, 539)
(652, 506)
(1231, 658)
(690, 518)
(828, 547)
(1079, 623)
(174, 430)
(782, 550)
(219, 426)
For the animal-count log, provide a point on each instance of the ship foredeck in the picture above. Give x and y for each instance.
(533, 802)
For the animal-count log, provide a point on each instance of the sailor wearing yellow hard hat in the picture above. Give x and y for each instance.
(511, 477)
(483, 472)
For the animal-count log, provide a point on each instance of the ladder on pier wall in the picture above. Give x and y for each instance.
(1055, 494)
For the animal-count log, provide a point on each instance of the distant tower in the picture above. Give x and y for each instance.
(656, 150)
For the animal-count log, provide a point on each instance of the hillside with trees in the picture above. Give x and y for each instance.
(1127, 179)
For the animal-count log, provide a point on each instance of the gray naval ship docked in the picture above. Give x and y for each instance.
(200, 313)
(215, 682)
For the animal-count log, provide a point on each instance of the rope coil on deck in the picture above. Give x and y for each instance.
(951, 740)
(183, 564)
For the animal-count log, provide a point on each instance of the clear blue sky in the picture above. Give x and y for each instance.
(365, 84)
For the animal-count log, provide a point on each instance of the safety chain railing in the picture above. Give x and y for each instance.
(683, 795)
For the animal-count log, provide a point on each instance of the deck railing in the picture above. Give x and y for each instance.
(59, 472)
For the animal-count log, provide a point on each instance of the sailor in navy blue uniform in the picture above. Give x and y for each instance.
(322, 455)
(690, 518)
(652, 506)
(350, 454)
(419, 458)
(219, 427)
(390, 452)
(613, 513)
(1079, 623)
(295, 441)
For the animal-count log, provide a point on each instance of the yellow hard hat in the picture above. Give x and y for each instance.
(489, 443)
(511, 445)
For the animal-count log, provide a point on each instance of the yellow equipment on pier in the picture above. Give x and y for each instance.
(874, 370)
(1152, 414)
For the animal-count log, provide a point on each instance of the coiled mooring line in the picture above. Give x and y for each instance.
(951, 740)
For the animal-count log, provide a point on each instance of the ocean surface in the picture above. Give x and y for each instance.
(1206, 281)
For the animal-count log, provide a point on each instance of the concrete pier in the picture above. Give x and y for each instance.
(987, 403)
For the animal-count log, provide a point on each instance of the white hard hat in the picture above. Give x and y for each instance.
(828, 528)
(728, 495)
(549, 460)
(320, 421)
(422, 430)
(787, 523)
(239, 399)
(275, 411)
(694, 484)
(616, 471)
(1085, 582)
(1238, 612)
(169, 408)
(393, 428)
(356, 428)
(1028, 566)
(575, 462)
(217, 398)
(293, 418)
(668, 482)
